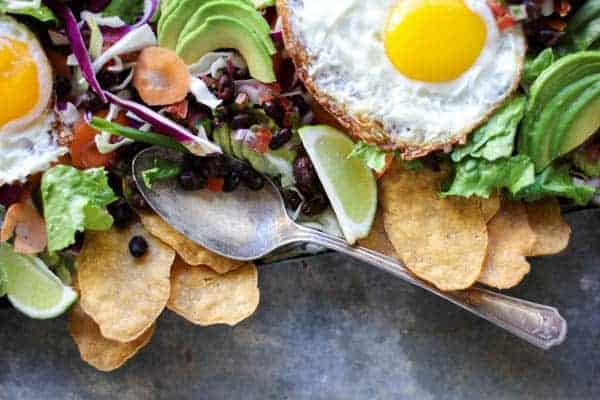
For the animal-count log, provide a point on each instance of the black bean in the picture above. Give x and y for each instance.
(302, 105)
(275, 111)
(122, 213)
(62, 86)
(226, 89)
(138, 201)
(242, 121)
(315, 205)
(193, 163)
(232, 181)
(191, 181)
(138, 246)
(252, 179)
(306, 177)
(4, 303)
(292, 199)
(215, 167)
(280, 138)
(92, 103)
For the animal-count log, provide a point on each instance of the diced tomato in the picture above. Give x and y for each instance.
(263, 139)
(84, 153)
(503, 18)
(216, 184)
(505, 22)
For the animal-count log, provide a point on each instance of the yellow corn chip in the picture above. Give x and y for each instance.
(378, 239)
(101, 353)
(124, 295)
(442, 241)
(190, 252)
(552, 232)
(490, 207)
(205, 297)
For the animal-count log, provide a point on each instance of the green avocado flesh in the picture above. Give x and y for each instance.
(555, 90)
(545, 127)
(224, 32)
(231, 8)
(588, 12)
(579, 122)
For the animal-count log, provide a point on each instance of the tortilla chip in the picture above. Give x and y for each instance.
(552, 232)
(378, 239)
(123, 294)
(101, 353)
(490, 207)
(190, 252)
(205, 297)
(441, 240)
(510, 240)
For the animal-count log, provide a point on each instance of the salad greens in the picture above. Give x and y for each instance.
(534, 66)
(162, 170)
(35, 10)
(75, 200)
(128, 10)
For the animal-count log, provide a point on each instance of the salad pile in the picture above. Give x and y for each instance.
(115, 77)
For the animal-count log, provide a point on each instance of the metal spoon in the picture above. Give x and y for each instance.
(248, 225)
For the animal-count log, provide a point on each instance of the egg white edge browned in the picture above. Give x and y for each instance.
(360, 126)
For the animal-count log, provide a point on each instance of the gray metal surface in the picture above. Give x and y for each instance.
(330, 328)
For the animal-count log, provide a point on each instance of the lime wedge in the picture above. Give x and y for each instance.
(349, 183)
(32, 288)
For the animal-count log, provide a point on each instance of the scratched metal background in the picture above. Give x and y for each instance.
(330, 328)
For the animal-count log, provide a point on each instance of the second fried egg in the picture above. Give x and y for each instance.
(415, 75)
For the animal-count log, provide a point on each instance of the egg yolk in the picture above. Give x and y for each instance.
(434, 40)
(19, 85)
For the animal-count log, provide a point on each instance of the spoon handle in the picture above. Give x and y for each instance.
(538, 324)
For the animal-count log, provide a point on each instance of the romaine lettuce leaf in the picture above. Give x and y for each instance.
(128, 10)
(37, 11)
(74, 201)
(556, 181)
(496, 138)
(373, 156)
(534, 66)
(480, 177)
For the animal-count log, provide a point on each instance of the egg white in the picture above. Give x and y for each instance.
(29, 144)
(11, 29)
(348, 64)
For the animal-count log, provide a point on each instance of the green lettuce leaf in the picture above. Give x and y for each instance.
(496, 138)
(373, 156)
(163, 169)
(534, 66)
(556, 181)
(74, 201)
(128, 10)
(41, 13)
(480, 177)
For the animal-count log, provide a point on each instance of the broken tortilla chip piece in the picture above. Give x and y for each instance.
(190, 252)
(101, 353)
(552, 232)
(123, 294)
(205, 297)
(510, 240)
(490, 207)
(441, 240)
(378, 239)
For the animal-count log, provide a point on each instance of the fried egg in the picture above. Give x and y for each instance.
(27, 125)
(412, 75)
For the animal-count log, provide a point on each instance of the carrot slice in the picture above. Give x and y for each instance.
(160, 77)
(24, 222)
(84, 153)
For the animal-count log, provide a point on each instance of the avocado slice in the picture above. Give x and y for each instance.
(222, 136)
(225, 32)
(544, 132)
(236, 148)
(563, 72)
(588, 12)
(579, 122)
(231, 8)
(176, 15)
(587, 35)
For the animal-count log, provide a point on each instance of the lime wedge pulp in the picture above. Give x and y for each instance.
(32, 288)
(349, 183)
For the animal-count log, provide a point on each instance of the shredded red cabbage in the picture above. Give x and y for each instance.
(200, 146)
(112, 35)
(77, 45)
